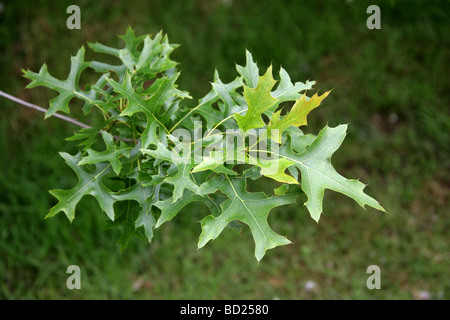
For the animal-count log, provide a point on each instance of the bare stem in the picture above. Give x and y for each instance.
(57, 115)
(35, 107)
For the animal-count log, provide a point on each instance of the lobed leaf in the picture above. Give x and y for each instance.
(140, 104)
(112, 154)
(89, 183)
(318, 174)
(259, 100)
(296, 116)
(67, 89)
(247, 207)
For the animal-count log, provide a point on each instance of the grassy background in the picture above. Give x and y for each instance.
(390, 85)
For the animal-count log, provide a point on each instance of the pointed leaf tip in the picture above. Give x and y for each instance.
(318, 174)
(259, 100)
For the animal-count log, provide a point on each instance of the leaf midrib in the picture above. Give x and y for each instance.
(251, 214)
(89, 182)
(257, 103)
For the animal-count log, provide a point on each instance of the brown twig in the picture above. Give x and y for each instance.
(57, 115)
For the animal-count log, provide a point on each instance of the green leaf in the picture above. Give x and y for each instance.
(112, 154)
(132, 41)
(296, 116)
(248, 207)
(147, 221)
(170, 208)
(275, 169)
(214, 162)
(125, 222)
(299, 141)
(224, 92)
(140, 102)
(97, 94)
(182, 179)
(287, 91)
(89, 183)
(281, 190)
(153, 59)
(253, 173)
(67, 89)
(131, 44)
(250, 72)
(259, 100)
(213, 116)
(146, 198)
(88, 137)
(318, 174)
(163, 89)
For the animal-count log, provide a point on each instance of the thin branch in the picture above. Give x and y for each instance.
(57, 115)
(35, 107)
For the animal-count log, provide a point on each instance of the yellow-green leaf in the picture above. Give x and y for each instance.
(275, 169)
(259, 100)
(297, 115)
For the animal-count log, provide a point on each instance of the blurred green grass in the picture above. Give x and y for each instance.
(390, 85)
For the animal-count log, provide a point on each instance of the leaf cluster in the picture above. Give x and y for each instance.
(139, 183)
